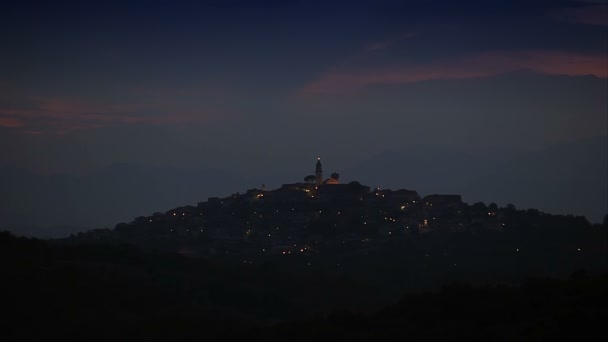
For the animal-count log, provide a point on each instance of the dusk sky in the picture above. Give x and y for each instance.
(258, 89)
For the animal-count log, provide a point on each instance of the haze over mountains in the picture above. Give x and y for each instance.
(564, 179)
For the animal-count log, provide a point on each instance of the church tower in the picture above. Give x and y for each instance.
(318, 172)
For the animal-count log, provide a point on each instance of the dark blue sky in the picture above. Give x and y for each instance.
(258, 89)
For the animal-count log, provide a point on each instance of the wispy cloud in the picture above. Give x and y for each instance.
(384, 44)
(352, 79)
(595, 14)
(61, 115)
(10, 122)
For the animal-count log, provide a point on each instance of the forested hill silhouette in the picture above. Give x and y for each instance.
(104, 292)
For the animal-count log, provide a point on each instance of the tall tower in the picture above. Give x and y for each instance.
(319, 172)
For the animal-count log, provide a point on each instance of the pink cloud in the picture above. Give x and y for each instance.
(10, 122)
(348, 80)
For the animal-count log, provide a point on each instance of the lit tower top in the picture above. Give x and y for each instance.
(319, 172)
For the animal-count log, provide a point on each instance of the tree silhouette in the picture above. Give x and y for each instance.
(310, 179)
(479, 208)
(335, 175)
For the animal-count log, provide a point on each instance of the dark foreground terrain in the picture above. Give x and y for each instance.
(103, 292)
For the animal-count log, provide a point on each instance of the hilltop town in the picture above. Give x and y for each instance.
(322, 217)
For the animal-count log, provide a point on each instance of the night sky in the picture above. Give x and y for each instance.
(111, 110)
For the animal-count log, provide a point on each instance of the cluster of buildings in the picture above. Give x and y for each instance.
(304, 218)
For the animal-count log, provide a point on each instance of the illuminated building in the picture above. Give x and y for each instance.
(318, 172)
